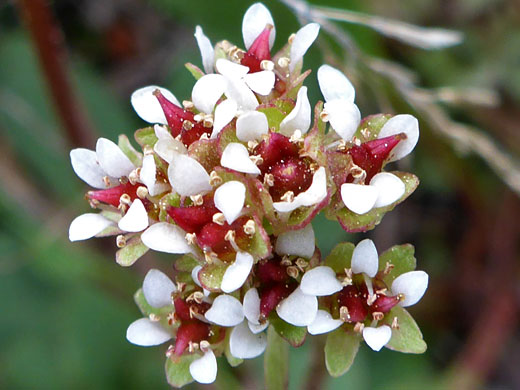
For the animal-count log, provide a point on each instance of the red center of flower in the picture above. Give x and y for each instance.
(113, 195)
(191, 329)
(258, 51)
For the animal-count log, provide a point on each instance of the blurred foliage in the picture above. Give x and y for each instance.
(65, 307)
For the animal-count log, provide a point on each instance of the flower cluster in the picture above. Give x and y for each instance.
(231, 180)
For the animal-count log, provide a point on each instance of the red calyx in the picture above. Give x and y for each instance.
(271, 271)
(190, 331)
(181, 121)
(112, 195)
(291, 174)
(258, 51)
(274, 149)
(355, 301)
(212, 237)
(371, 155)
(193, 218)
(271, 295)
(383, 303)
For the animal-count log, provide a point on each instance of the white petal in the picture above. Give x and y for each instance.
(147, 106)
(237, 90)
(195, 275)
(304, 38)
(85, 164)
(412, 285)
(231, 69)
(206, 92)
(365, 258)
(313, 195)
(204, 370)
(320, 281)
(229, 198)
(165, 237)
(298, 309)
(255, 19)
(260, 82)
(244, 344)
(389, 187)
(335, 85)
(135, 219)
(237, 273)
(162, 132)
(236, 157)
(251, 126)
(169, 148)
(403, 123)
(225, 311)
(224, 113)
(252, 306)
(158, 289)
(147, 333)
(359, 198)
(112, 159)
(187, 176)
(147, 175)
(206, 50)
(296, 242)
(87, 226)
(300, 117)
(344, 117)
(323, 323)
(377, 338)
(255, 329)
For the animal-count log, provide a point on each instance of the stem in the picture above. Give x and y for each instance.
(276, 362)
(48, 42)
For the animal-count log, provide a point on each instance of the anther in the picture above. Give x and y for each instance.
(359, 327)
(302, 264)
(142, 192)
(395, 323)
(214, 179)
(120, 241)
(377, 316)
(207, 122)
(249, 227)
(125, 199)
(219, 219)
(171, 318)
(198, 117)
(324, 116)
(344, 315)
(287, 197)
(204, 345)
(257, 159)
(230, 236)
(169, 351)
(154, 317)
(197, 200)
(267, 65)
(188, 104)
(133, 176)
(191, 238)
(296, 137)
(187, 125)
(388, 268)
(268, 180)
(292, 271)
(252, 144)
(286, 261)
(283, 62)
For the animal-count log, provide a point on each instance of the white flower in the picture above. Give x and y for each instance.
(166, 237)
(323, 323)
(300, 117)
(204, 369)
(404, 123)
(148, 107)
(365, 258)
(187, 176)
(237, 273)
(229, 198)
(236, 156)
(206, 50)
(158, 288)
(296, 242)
(87, 226)
(226, 310)
(377, 338)
(251, 126)
(256, 18)
(339, 94)
(298, 309)
(412, 285)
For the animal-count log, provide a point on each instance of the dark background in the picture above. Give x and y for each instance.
(65, 307)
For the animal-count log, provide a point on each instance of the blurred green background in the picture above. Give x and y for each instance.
(65, 307)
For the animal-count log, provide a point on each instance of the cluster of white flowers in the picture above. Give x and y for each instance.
(231, 179)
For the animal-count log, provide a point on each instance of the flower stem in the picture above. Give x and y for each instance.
(276, 362)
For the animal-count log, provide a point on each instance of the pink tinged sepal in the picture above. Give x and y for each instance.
(377, 338)
(320, 281)
(224, 113)
(365, 258)
(244, 344)
(313, 195)
(148, 107)
(207, 91)
(323, 323)
(252, 306)
(225, 311)
(251, 126)
(112, 159)
(229, 198)
(236, 157)
(86, 166)
(158, 289)
(87, 226)
(187, 176)
(389, 187)
(135, 219)
(298, 309)
(260, 82)
(204, 369)
(165, 237)
(300, 117)
(412, 285)
(334, 85)
(206, 50)
(343, 116)
(304, 38)
(406, 124)
(147, 333)
(296, 242)
(236, 274)
(256, 18)
(359, 198)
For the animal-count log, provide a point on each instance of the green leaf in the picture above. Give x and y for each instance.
(340, 257)
(129, 150)
(186, 263)
(370, 127)
(341, 348)
(294, 335)
(146, 137)
(131, 252)
(171, 199)
(178, 372)
(401, 257)
(276, 362)
(408, 338)
(194, 70)
(205, 151)
(211, 275)
(274, 116)
(353, 223)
